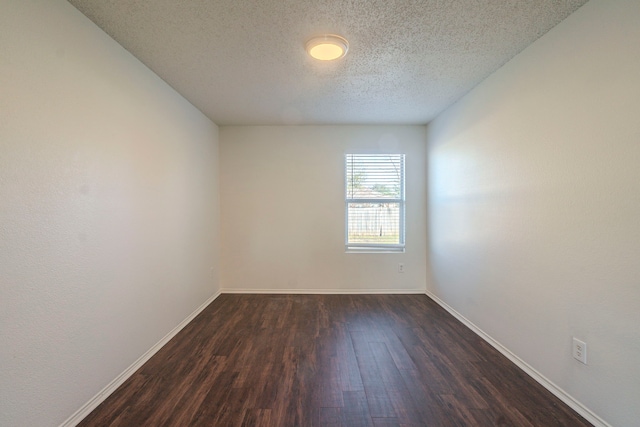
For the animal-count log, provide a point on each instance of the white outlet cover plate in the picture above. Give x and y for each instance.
(580, 350)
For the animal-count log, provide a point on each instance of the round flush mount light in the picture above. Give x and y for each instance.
(327, 47)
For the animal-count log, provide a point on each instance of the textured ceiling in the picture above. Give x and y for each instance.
(243, 61)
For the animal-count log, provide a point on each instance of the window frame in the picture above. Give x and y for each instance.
(377, 247)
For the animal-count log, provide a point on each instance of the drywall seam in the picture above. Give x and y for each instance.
(324, 291)
(86, 409)
(528, 369)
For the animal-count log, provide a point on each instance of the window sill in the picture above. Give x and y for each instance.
(372, 250)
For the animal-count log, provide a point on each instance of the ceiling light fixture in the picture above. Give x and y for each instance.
(327, 47)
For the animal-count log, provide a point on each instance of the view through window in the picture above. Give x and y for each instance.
(375, 201)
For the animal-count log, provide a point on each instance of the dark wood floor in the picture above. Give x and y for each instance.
(329, 360)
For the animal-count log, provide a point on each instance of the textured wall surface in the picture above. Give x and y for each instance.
(108, 210)
(282, 198)
(535, 206)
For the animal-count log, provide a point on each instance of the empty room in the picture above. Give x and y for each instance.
(320, 213)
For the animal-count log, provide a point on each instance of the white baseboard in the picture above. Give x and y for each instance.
(86, 409)
(528, 369)
(323, 291)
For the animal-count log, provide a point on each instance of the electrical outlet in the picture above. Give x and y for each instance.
(401, 267)
(580, 350)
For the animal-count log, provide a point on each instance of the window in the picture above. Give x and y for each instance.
(374, 202)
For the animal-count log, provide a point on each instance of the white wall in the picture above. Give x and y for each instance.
(282, 198)
(108, 210)
(535, 206)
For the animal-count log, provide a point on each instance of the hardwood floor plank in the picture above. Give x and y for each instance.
(500, 411)
(386, 422)
(458, 411)
(356, 410)
(398, 351)
(211, 405)
(426, 401)
(400, 397)
(380, 405)
(329, 361)
(194, 389)
(330, 417)
(257, 418)
(350, 377)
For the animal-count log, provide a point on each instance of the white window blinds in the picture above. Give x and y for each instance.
(374, 201)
